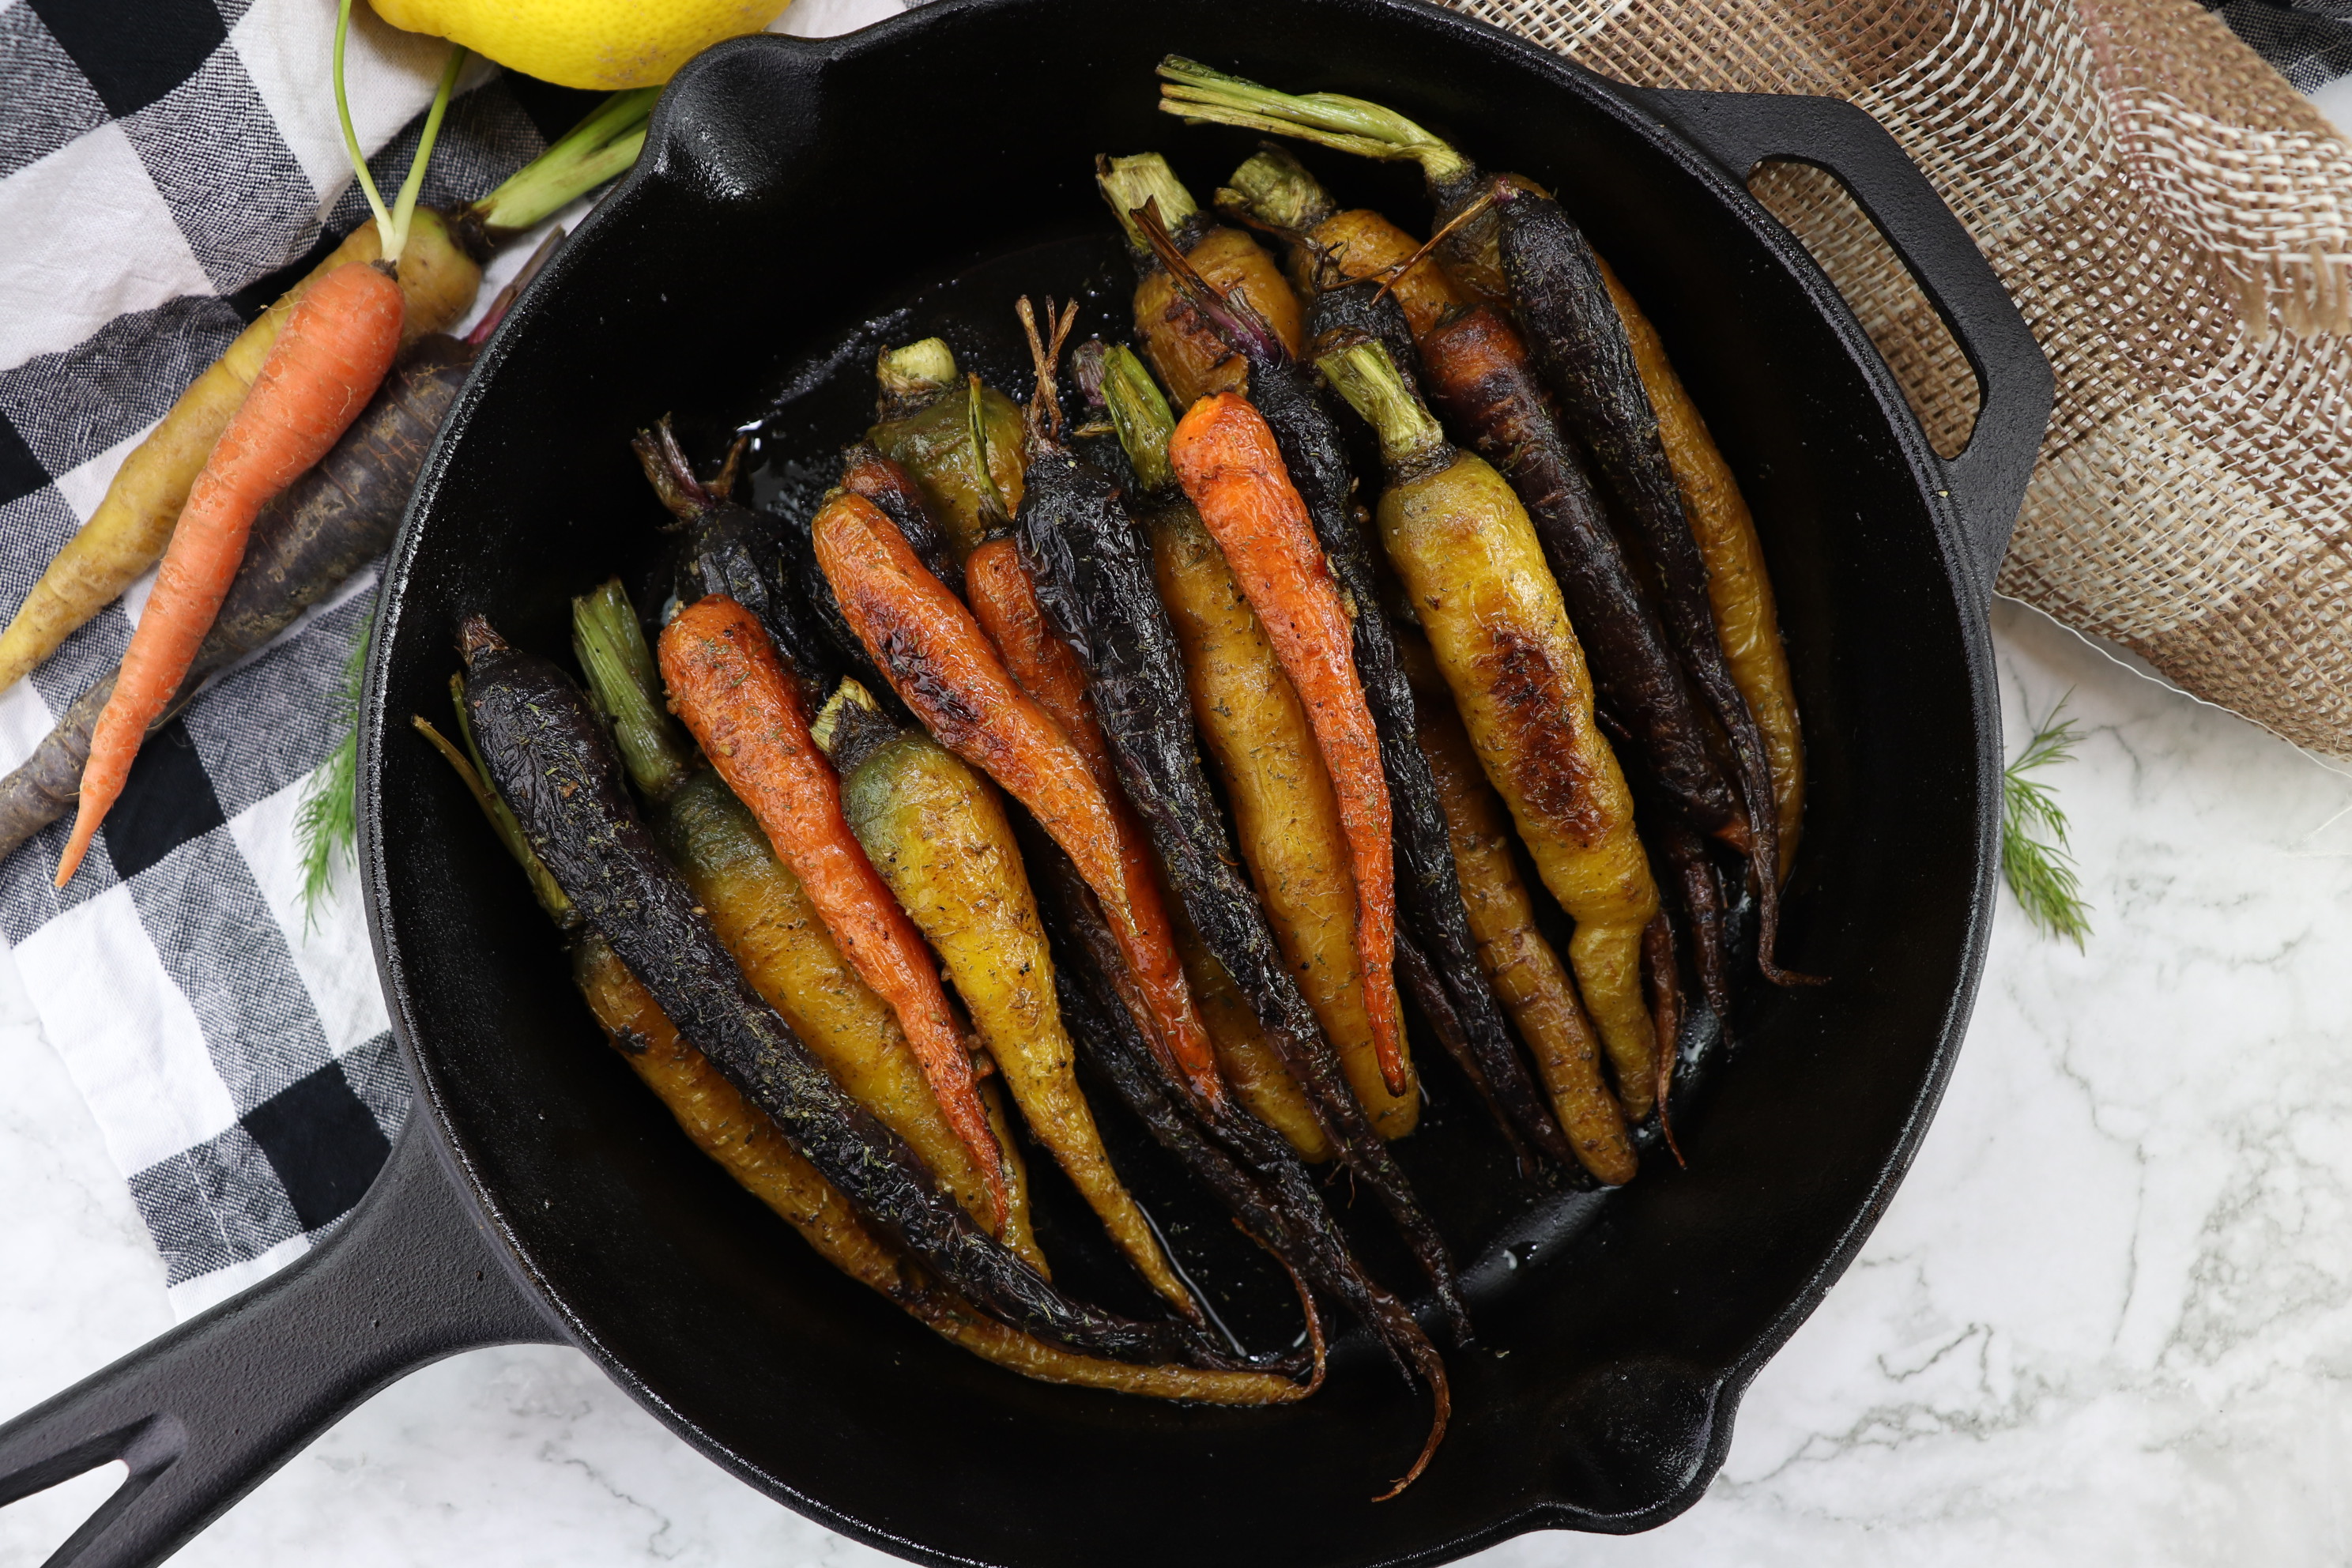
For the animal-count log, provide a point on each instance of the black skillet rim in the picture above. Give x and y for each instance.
(668, 135)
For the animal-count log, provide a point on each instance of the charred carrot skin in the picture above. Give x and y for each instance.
(1238, 1158)
(548, 758)
(888, 484)
(935, 657)
(724, 547)
(725, 682)
(1094, 577)
(1579, 342)
(1313, 454)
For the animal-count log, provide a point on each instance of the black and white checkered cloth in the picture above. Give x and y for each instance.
(167, 167)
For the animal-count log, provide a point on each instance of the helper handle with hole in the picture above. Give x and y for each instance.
(1987, 479)
(204, 1414)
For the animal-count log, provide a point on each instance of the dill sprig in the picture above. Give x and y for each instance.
(327, 826)
(2035, 858)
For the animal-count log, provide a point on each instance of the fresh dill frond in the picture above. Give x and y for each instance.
(2035, 858)
(327, 826)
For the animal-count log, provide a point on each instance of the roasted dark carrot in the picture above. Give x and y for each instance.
(1191, 356)
(1738, 585)
(1094, 578)
(726, 683)
(944, 669)
(1226, 460)
(1580, 341)
(336, 347)
(719, 1120)
(548, 756)
(1474, 575)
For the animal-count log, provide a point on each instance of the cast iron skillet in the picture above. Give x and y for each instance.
(539, 1195)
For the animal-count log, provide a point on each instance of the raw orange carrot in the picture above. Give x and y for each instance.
(726, 684)
(943, 668)
(337, 344)
(1226, 461)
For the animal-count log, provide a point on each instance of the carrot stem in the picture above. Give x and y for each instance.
(392, 228)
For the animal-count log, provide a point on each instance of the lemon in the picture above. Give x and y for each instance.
(606, 45)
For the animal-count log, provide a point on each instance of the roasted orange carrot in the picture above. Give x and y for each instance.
(1004, 598)
(1226, 461)
(726, 684)
(943, 668)
(337, 344)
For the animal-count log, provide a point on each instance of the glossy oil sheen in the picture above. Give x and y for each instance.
(793, 187)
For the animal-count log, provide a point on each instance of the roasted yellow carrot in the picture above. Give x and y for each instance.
(1526, 974)
(1190, 358)
(927, 420)
(1285, 812)
(935, 831)
(1475, 577)
(1738, 584)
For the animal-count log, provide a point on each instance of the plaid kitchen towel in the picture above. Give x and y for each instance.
(167, 168)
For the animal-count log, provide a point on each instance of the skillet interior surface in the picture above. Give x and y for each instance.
(793, 190)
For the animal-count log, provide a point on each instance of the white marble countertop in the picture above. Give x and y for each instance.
(2107, 1319)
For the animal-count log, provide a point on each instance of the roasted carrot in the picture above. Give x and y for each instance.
(1462, 1009)
(1225, 457)
(892, 485)
(959, 439)
(1526, 971)
(723, 1123)
(726, 682)
(1475, 576)
(1738, 585)
(1286, 816)
(938, 835)
(336, 347)
(1328, 246)
(944, 669)
(1193, 360)
(548, 756)
(764, 913)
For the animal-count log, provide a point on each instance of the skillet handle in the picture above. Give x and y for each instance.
(202, 1414)
(1740, 131)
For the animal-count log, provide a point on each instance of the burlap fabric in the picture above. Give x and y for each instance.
(2176, 223)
